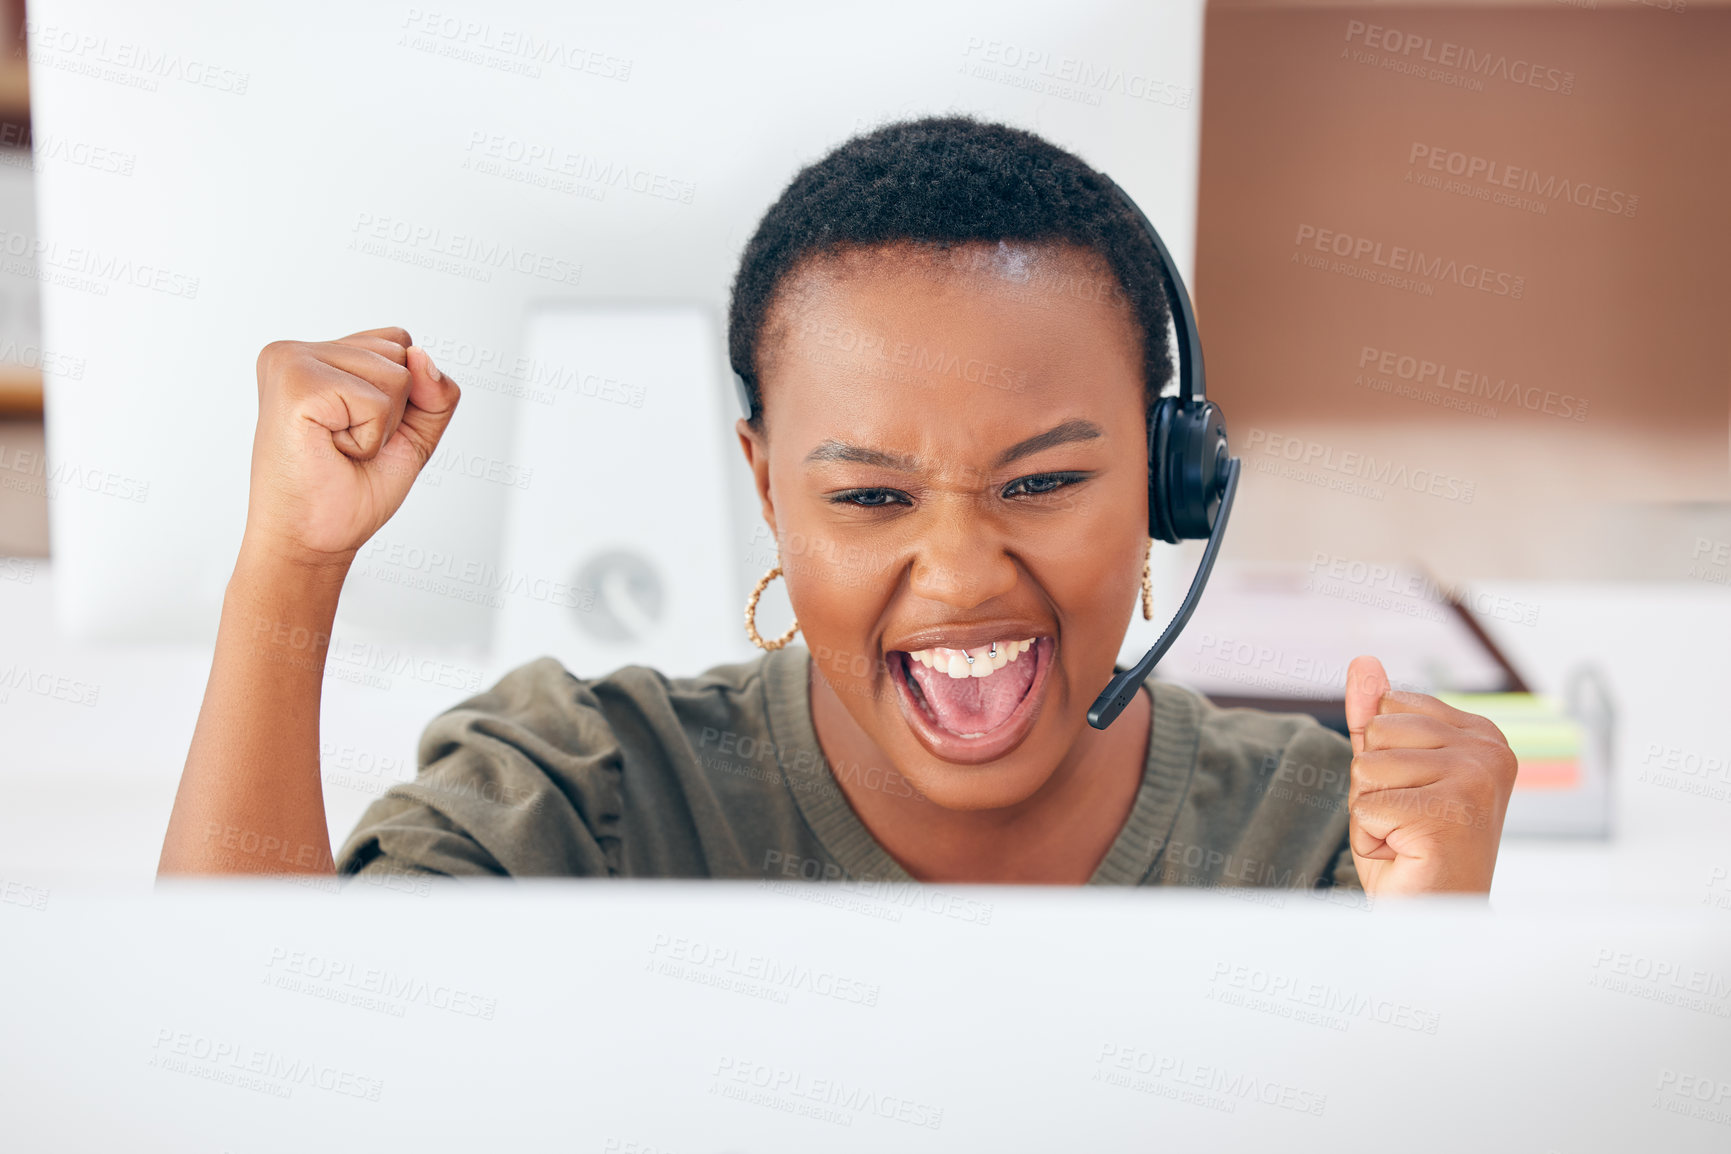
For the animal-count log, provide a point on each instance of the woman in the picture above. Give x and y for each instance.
(942, 331)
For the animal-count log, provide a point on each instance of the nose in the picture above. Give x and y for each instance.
(959, 560)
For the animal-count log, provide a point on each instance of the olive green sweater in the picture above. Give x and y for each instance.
(637, 774)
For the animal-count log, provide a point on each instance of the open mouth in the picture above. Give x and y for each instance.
(972, 710)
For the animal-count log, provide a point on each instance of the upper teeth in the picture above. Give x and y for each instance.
(955, 661)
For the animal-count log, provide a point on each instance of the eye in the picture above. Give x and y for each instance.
(870, 498)
(1034, 485)
(1041, 483)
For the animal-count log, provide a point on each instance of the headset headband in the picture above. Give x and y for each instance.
(1192, 381)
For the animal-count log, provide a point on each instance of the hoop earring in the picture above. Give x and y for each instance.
(1148, 584)
(751, 614)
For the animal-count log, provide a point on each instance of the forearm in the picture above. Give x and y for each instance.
(250, 798)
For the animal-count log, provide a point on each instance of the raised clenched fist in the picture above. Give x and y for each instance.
(344, 427)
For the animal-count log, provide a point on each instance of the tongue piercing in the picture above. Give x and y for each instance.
(992, 654)
(965, 663)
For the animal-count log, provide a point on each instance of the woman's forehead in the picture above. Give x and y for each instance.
(1018, 319)
(973, 359)
(1037, 266)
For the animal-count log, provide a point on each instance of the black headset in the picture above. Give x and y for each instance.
(1191, 477)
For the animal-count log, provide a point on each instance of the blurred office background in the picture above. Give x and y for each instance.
(1458, 269)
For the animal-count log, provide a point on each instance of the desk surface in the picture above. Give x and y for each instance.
(665, 1016)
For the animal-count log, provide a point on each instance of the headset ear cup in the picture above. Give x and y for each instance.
(1196, 452)
(1160, 526)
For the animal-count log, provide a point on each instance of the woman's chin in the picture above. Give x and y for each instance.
(965, 788)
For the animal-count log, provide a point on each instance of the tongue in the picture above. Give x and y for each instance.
(972, 705)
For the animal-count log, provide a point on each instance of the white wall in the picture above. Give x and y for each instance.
(263, 149)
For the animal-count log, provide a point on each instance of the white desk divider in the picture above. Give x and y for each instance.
(609, 548)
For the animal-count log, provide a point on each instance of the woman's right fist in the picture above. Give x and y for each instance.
(344, 427)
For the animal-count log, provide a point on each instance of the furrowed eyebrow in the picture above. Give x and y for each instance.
(833, 450)
(1071, 430)
(1068, 431)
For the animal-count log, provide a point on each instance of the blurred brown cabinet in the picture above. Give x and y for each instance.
(1461, 271)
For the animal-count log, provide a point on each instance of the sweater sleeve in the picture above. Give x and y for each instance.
(1266, 805)
(520, 780)
(1345, 871)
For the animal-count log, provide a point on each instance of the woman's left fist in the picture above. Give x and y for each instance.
(1430, 785)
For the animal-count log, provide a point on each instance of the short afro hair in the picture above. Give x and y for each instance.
(939, 181)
